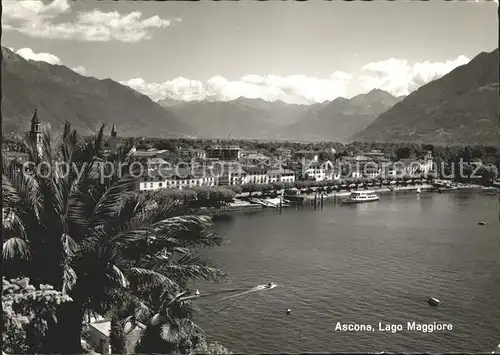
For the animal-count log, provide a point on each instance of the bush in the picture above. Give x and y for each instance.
(26, 314)
(236, 188)
(210, 348)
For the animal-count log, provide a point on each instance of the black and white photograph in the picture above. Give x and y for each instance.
(250, 177)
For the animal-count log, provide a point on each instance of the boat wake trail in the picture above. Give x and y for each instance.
(247, 291)
(240, 292)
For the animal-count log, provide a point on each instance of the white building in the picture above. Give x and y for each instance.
(169, 179)
(281, 175)
(319, 172)
(99, 335)
(332, 174)
(308, 155)
(427, 165)
(148, 153)
(255, 175)
(413, 166)
(157, 163)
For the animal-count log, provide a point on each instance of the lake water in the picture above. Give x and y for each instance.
(367, 263)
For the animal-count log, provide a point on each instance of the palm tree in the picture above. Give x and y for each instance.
(92, 241)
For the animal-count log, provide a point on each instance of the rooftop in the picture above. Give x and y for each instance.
(255, 170)
(104, 327)
(227, 147)
(10, 154)
(307, 152)
(157, 161)
(280, 171)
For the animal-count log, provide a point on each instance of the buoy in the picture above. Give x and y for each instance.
(288, 311)
(433, 301)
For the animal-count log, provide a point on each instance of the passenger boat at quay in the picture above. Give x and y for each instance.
(361, 196)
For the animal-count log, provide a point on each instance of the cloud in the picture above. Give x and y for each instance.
(27, 53)
(37, 19)
(80, 70)
(398, 77)
(393, 75)
(292, 89)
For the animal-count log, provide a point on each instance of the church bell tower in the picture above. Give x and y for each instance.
(35, 133)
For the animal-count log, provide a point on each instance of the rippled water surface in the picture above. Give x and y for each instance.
(369, 263)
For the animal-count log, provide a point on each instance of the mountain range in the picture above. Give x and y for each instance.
(335, 120)
(61, 94)
(461, 107)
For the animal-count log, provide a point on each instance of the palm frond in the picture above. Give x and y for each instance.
(120, 277)
(109, 203)
(141, 278)
(193, 267)
(69, 245)
(20, 191)
(15, 248)
(13, 226)
(69, 279)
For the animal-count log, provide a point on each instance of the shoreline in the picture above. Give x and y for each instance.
(238, 206)
(380, 190)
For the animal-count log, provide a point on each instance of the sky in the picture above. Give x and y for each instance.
(297, 52)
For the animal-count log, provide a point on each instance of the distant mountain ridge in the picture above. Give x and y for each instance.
(61, 94)
(257, 118)
(461, 107)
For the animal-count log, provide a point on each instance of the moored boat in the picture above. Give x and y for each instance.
(361, 196)
(490, 190)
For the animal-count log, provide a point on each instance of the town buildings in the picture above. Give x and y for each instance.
(175, 178)
(224, 153)
(317, 171)
(221, 165)
(306, 155)
(187, 154)
(281, 175)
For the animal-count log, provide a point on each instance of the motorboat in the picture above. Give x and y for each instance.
(361, 196)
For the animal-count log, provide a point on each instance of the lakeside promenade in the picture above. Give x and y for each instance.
(240, 205)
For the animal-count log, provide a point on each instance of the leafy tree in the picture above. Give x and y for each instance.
(236, 188)
(250, 188)
(405, 152)
(467, 154)
(277, 185)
